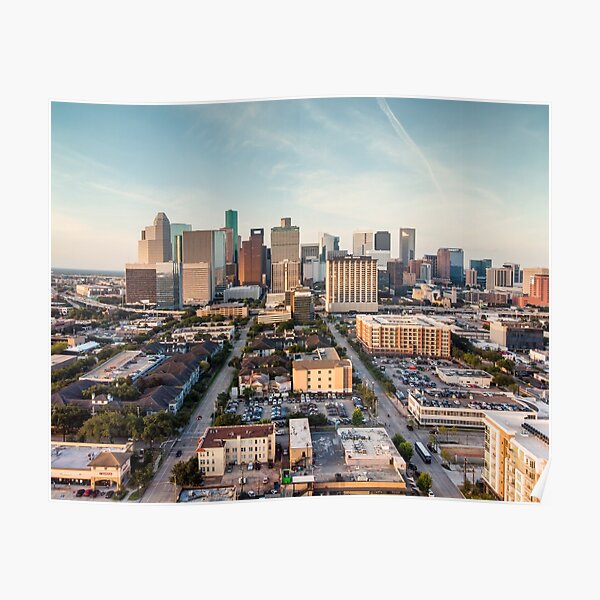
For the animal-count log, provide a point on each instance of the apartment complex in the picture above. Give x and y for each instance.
(326, 372)
(351, 284)
(406, 335)
(235, 445)
(516, 451)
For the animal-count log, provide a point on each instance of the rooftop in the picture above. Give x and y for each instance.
(215, 437)
(129, 363)
(463, 372)
(475, 400)
(67, 456)
(399, 320)
(300, 433)
(531, 434)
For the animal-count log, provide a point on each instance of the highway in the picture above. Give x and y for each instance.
(160, 489)
(442, 486)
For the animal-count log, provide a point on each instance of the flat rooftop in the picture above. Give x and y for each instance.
(207, 494)
(129, 363)
(57, 359)
(79, 457)
(401, 320)
(463, 372)
(300, 433)
(531, 434)
(367, 442)
(476, 400)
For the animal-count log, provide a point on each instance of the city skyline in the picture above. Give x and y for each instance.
(463, 174)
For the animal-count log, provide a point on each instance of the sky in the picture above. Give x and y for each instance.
(473, 175)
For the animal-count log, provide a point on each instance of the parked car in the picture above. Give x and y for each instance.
(80, 493)
(250, 466)
(87, 493)
(95, 493)
(265, 480)
(178, 453)
(109, 494)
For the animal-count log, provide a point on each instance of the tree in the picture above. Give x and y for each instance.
(446, 456)
(186, 473)
(398, 439)
(406, 451)
(443, 430)
(228, 419)
(58, 347)
(68, 419)
(204, 365)
(357, 417)
(424, 482)
(106, 426)
(158, 426)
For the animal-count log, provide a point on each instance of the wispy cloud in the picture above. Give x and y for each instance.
(402, 133)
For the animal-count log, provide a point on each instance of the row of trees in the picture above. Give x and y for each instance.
(405, 448)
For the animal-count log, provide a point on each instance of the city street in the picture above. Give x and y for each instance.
(396, 423)
(160, 489)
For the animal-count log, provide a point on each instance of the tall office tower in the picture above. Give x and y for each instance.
(308, 254)
(252, 259)
(426, 272)
(229, 245)
(516, 271)
(471, 277)
(414, 266)
(155, 243)
(168, 285)
(196, 283)
(285, 242)
(351, 284)
(432, 260)
(540, 289)
(457, 266)
(362, 242)
(309, 250)
(177, 230)
(443, 263)
(408, 241)
(328, 243)
(313, 271)
(231, 222)
(207, 246)
(528, 274)
(496, 277)
(481, 265)
(395, 270)
(285, 276)
(383, 241)
(140, 283)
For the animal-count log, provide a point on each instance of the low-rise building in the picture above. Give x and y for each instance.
(327, 374)
(464, 377)
(300, 447)
(268, 317)
(242, 292)
(214, 331)
(516, 335)
(90, 464)
(516, 451)
(231, 310)
(414, 335)
(129, 363)
(235, 445)
(368, 447)
(60, 361)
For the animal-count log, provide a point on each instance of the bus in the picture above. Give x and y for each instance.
(423, 452)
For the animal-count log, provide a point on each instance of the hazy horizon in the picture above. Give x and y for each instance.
(463, 174)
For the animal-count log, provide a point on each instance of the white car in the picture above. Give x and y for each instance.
(431, 494)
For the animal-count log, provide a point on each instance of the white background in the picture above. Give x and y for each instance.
(336, 547)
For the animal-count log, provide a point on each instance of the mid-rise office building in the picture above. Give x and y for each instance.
(540, 289)
(432, 260)
(528, 274)
(383, 241)
(196, 283)
(351, 284)
(242, 292)
(443, 264)
(208, 247)
(362, 243)
(395, 269)
(516, 335)
(404, 335)
(155, 243)
(253, 259)
(140, 283)
(516, 453)
(168, 285)
(498, 277)
(302, 305)
(457, 266)
(426, 272)
(408, 241)
(471, 277)
(381, 256)
(309, 250)
(327, 245)
(516, 269)
(481, 265)
(313, 271)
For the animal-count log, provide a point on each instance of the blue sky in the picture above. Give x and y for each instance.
(466, 174)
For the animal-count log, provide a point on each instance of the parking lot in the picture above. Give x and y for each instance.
(73, 492)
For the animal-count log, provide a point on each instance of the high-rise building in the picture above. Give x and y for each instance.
(351, 284)
(540, 289)
(155, 243)
(381, 256)
(303, 309)
(309, 250)
(408, 240)
(450, 265)
(395, 270)
(516, 269)
(285, 242)
(328, 244)
(362, 243)
(528, 274)
(207, 246)
(168, 285)
(253, 259)
(285, 276)
(177, 230)
(313, 271)
(140, 283)
(383, 241)
(426, 273)
(231, 222)
(432, 260)
(481, 265)
(229, 245)
(196, 283)
(471, 277)
(498, 277)
(443, 264)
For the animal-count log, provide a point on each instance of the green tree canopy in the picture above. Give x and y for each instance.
(406, 451)
(424, 482)
(357, 417)
(186, 473)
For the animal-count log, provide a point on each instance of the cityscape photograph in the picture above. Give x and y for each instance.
(294, 298)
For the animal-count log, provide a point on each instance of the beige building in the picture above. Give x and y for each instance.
(90, 464)
(471, 277)
(235, 445)
(285, 275)
(407, 335)
(269, 317)
(155, 243)
(300, 448)
(196, 283)
(327, 374)
(351, 284)
(516, 451)
(498, 277)
(285, 242)
(464, 377)
(232, 310)
(528, 274)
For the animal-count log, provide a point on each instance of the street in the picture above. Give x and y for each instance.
(442, 486)
(160, 488)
